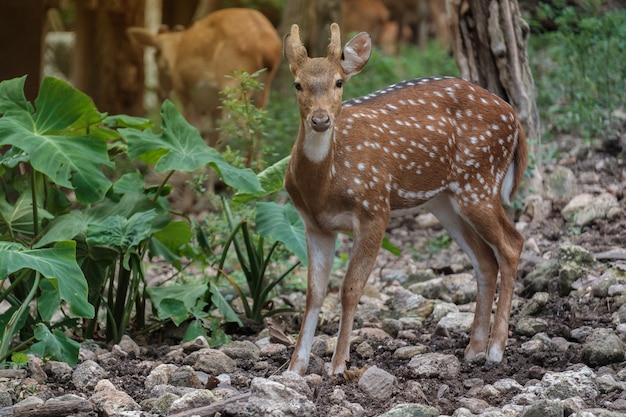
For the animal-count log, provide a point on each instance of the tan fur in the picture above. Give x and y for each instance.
(194, 63)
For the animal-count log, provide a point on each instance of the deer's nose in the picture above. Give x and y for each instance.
(320, 121)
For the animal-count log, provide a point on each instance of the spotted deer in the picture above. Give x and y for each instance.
(439, 143)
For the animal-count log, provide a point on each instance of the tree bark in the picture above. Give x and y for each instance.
(490, 42)
(107, 67)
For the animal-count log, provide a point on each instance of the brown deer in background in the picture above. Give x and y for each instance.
(440, 143)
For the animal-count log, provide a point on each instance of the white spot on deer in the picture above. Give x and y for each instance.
(421, 101)
(469, 112)
(361, 166)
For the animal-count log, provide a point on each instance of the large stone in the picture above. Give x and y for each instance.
(435, 364)
(602, 347)
(275, 399)
(377, 383)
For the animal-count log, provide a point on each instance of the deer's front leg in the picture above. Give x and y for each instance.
(321, 252)
(362, 258)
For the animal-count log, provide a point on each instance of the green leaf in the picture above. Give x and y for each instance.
(282, 223)
(180, 147)
(194, 330)
(48, 301)
(12, 96)
(189, 294)
(174, 309)
(121, 233)
(271, 179)
(18, 217)
(73, 162)
(55, 345)
(222, 305)
(57, 264)
(74, 224)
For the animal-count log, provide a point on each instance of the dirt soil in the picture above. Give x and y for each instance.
(562, 313)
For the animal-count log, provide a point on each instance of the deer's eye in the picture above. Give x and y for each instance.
(298, 86)
(339, 83)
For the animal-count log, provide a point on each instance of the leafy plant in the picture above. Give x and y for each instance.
(244, 123)
(71, 193)
(254, 261)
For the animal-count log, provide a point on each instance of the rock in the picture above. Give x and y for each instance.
(561, 184)
(193, 399)
(294, 381)
(602, 347)
(128, 345)
(539, 278)
(407, 352)
(275, 399)
(575, 383)
(507, 385)
(200, 342)
(185, 376)
(159, 375)
(529, 326)
(241, 350)
(543, 408)
(441, 309)
(455, 322)
(573, 262)
(411, 410)
(365, 350)
(377, 383)
(536, 303)
(111, 401)
(461, 287)
(87, 374)
(597, 209)
(432, 289)
(35, 366)
(211, 361)
(575, 205)
(431, 364)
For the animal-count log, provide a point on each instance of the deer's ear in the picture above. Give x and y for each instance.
(356, 53)
(293, 50)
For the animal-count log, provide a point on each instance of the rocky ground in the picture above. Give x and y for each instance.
(565, 355)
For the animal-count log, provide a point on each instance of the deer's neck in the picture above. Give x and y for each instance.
(309, 171)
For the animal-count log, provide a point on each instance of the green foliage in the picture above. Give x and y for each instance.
(77, 219)
(579, 69)
(244, 123)
(254, 262)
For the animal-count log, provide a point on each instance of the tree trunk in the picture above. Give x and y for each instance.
(490, 41)
(107, 67)
(21, 34)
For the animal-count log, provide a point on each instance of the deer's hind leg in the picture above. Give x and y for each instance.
(484, 260)
(506, 243)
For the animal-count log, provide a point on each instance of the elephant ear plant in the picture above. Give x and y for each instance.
(77, 219)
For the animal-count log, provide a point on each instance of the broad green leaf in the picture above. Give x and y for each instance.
(180, 147)
(12, 96)
(57, 264)
(55, 345)
(119, 232)
(282, 223)
(271, 179)
(69, 226)
(123, 120)
(194, 330)
(48, 301)
(18, 217)
(69, 161)
(169, 242)
(222, 305)
(173, 309)
(189, 294)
